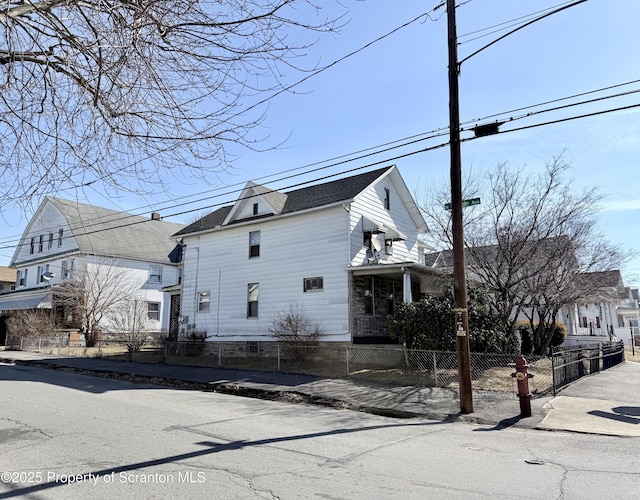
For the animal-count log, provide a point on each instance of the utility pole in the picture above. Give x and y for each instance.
(459, 279)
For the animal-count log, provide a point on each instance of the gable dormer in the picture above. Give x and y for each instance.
(256, 201)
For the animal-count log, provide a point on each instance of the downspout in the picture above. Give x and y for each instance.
(195, 291)
(347, 207)
(218, 308)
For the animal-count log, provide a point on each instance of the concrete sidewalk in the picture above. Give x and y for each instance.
(605, 403)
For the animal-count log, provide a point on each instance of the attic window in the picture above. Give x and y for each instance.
(255, 209)
(387, 199)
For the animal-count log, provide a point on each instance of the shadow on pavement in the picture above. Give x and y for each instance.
(503, 424)
(625, 414)
(210, 448)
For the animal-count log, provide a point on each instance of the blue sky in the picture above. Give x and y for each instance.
(397, 88)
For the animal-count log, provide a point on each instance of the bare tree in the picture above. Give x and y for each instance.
(92, 291)
(528, 242)
(32, 323)
(293, 328)
(118, 91)
(129, 320)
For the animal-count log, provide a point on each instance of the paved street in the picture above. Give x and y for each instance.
(65, 435)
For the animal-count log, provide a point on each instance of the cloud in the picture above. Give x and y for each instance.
(621, 205)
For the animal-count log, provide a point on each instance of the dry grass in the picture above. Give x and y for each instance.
(629, 356)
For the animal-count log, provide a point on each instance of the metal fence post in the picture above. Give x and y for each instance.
(435, 367)
(219, 355)
(553, 373)
(346, 350)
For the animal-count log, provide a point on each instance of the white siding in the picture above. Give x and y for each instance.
(137, 275)
(370, 204)
(47, 221)
(291, 248)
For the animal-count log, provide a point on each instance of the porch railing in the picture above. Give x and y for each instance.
(370, 326)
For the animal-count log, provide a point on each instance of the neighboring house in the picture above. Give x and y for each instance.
(610, 312)
(7, 279)
(65, 238)
(7, 283)
(346, 252)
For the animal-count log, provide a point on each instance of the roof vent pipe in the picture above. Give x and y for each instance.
(155, 215)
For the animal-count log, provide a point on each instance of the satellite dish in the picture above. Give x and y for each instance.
(377, 244)
(372, 256)
(48, 276)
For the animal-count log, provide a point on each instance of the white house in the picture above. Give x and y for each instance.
(65, 237)
(612, 311)
(344, 251)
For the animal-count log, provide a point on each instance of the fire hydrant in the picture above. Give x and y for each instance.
(522, 376)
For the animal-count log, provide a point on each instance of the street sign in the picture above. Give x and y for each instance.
(465, 203)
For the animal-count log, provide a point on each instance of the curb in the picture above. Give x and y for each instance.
(292, 397)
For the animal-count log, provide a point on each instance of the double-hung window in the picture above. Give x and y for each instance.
(253, 292)
(155, 274)
(153, 311)
(254, 244)
(21, 277)
(204, 301)
(41, 271)
(67, 269)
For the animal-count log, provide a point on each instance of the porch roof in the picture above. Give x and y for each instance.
(628, 311)
(40, 299)
(429, 277)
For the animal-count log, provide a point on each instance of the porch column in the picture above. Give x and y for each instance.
(406, 288)
(606, 312)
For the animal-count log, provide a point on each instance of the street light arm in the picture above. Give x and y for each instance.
(519, 28)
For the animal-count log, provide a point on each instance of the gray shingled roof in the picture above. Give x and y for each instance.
(102, 231)
(604, 278)
(300, 199)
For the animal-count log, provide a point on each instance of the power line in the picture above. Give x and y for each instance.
(388, 160)
(602, 89)
(507, 24)
(559, 9)
(561, 120)
(368, 152)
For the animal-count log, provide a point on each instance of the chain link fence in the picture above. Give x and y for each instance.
(491, 373)
(65, 345)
